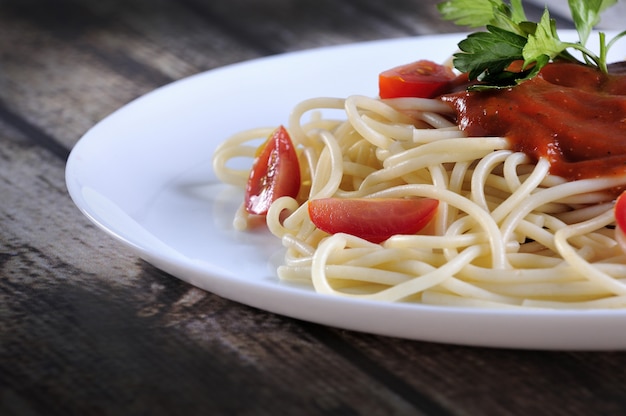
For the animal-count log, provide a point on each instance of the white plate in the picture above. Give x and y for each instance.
(144, 175)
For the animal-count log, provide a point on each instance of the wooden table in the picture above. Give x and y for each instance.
(88, 329)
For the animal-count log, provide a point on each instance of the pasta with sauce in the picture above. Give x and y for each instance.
(507, 233)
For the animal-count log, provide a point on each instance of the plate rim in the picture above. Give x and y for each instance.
(192, 272)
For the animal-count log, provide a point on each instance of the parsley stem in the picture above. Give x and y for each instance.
(509, 37)
(603, 50)
(615, 39)
(588, 55)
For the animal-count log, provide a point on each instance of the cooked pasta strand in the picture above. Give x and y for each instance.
(507, 234)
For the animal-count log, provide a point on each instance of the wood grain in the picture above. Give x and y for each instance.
(89, 329)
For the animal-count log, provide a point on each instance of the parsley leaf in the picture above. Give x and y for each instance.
(543, 42)
(486, 55)
(586, 14)
(517, 11)
(472, 13)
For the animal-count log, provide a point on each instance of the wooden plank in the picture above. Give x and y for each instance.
(64, 81)
(59, 88)
(287, 26)
(87, 328)
(94, 316)
(53, 70)
(502, 381)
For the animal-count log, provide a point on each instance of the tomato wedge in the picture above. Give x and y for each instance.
(374, 220)
(620, 219)
(423, 79)
(275, 173)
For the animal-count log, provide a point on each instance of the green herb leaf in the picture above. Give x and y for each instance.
(517, 11)
(477, 13)
(586, 14)
(486, 54)
(472, 13)
(544, 42)
(507, 18)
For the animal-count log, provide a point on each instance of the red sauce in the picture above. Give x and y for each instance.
(571, 114)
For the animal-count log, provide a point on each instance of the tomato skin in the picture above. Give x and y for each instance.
(423, 79)
(620, 219)
(275, 173)
(620, 211)
(374, 219)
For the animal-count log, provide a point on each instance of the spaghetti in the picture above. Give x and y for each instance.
(507, 233)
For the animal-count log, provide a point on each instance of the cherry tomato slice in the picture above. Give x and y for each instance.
(275, 173)
(423, 79)
(620, 211)
(374, 220)
(620, 219)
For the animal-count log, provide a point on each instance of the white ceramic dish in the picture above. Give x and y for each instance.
(144, 175)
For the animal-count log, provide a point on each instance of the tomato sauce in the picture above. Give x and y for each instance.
(571, 114)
